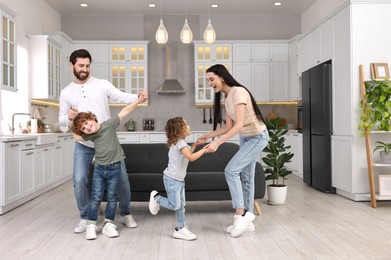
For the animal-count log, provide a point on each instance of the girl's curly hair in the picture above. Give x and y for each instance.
(80, 120)
(175, 130)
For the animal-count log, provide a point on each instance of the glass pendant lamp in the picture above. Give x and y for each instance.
(186, 33)
(161, 33)
(209, 33)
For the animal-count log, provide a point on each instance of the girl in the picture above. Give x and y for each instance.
(179, 155)
(243, 117)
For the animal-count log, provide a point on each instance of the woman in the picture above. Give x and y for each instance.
(243, 117)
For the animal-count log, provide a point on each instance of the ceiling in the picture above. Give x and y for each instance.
(179, 7)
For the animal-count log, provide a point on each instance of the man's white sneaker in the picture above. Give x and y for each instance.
(241, 223)
(249, 228)
(153, 205)
(128, 221)
(81, 227)
(91, 231)
(184, 234)
(110, 230)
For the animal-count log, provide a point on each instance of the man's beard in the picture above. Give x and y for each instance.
(80, 77)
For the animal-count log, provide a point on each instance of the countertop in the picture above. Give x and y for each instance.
(22, 137)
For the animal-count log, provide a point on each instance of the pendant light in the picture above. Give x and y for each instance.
(209, 33)
(186, 33)
(161, 33)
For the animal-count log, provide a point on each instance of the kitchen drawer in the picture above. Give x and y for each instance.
(157, 138)
(128, 138)
(29, 144)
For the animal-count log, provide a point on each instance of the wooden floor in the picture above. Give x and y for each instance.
(312, 225)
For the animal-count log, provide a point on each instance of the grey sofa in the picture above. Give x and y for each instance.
(205, 179)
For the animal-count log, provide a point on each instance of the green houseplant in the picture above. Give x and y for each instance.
(385, 151)
(376, 115)
(276, 156)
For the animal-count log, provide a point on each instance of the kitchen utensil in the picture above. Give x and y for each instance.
(204, 121)
(130, 125)
(210, 116)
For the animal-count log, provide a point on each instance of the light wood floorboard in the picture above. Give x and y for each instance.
(312, 225)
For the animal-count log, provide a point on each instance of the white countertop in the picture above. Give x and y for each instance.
(9, 138)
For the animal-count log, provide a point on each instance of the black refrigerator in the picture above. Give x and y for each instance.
(317, 126)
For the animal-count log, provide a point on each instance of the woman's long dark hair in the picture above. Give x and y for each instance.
(221, 70)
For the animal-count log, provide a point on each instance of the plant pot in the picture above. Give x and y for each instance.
(385, 157)
(277, 194)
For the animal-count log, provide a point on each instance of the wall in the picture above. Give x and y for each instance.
(28, 22)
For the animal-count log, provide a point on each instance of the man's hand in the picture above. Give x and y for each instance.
(72, 113)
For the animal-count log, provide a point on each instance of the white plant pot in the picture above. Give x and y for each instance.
(385, 157)
(276, 195)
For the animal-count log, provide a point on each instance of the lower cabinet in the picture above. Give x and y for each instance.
(28, 170)
(295, 140)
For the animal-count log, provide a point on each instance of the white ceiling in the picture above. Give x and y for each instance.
(178, 7)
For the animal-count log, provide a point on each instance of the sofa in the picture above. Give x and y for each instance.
(205, 178)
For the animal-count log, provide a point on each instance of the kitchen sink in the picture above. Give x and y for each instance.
(45, 138)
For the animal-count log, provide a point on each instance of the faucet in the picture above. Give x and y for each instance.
(13, 120)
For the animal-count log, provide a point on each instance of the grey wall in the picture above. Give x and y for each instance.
(163, 107)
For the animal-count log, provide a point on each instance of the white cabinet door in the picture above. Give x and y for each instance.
(242, 52)
(11, 175)
(279, 52)
(261, 52)
(27, 172)
(342, 157)
(304, 54)
(279, 81)
(261, 89)
(219, 52)
(58, 170)
(45, 67)
(39, 169)
(48, 159)
(289, 141)
(99, 51)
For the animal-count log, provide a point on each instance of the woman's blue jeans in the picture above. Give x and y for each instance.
(175, 199)
(106, 178)
(240, 171)
(82, 159)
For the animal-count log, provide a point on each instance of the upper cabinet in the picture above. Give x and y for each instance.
(45, 67)
(129, 66)
(295, 87)
(206, 55)
(263, 68)
(100, 57)
(316, 47)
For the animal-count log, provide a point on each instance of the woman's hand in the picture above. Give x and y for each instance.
(202, 139)
(212, 147)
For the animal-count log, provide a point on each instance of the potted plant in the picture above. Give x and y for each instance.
(277, 155)
(385, 151)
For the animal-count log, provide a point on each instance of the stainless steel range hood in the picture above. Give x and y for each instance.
(171, 85)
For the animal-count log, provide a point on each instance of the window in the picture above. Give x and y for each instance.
(8, 49)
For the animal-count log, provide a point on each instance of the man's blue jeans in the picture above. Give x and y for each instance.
(83, 156)
(106, 178)
(240, 171)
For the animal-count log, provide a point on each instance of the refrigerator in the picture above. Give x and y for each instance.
(317, 126)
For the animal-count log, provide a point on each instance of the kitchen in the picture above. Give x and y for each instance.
(143, 27)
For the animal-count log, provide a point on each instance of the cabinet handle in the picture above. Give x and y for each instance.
(29, 145)
(58, 147)
(14, 145)
(29, 153)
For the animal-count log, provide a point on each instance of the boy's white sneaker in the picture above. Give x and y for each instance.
(110, 230)
(91, 231)
(241, 223)
(128, 221)
(184, 234)
(81, 227)
(153, 205)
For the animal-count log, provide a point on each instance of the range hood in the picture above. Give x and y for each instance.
(171, 85)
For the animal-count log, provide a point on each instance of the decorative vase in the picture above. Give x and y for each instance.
(385, 157)
(277, 194)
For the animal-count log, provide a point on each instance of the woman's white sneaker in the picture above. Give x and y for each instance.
(249, 228)
(153, 205)
(241, 223)
(184, 234)
(128, 221)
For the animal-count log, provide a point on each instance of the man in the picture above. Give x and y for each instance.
(87, 93)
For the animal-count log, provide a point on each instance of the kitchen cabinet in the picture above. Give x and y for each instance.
(204, 94)
(206, 55)
(263, 68)
(66, 49)
(28, 170)
(45, 67)
(295, 86)
(100, 57)
(11, 188)
(129, 66)
(316, 47)
(295, 140)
